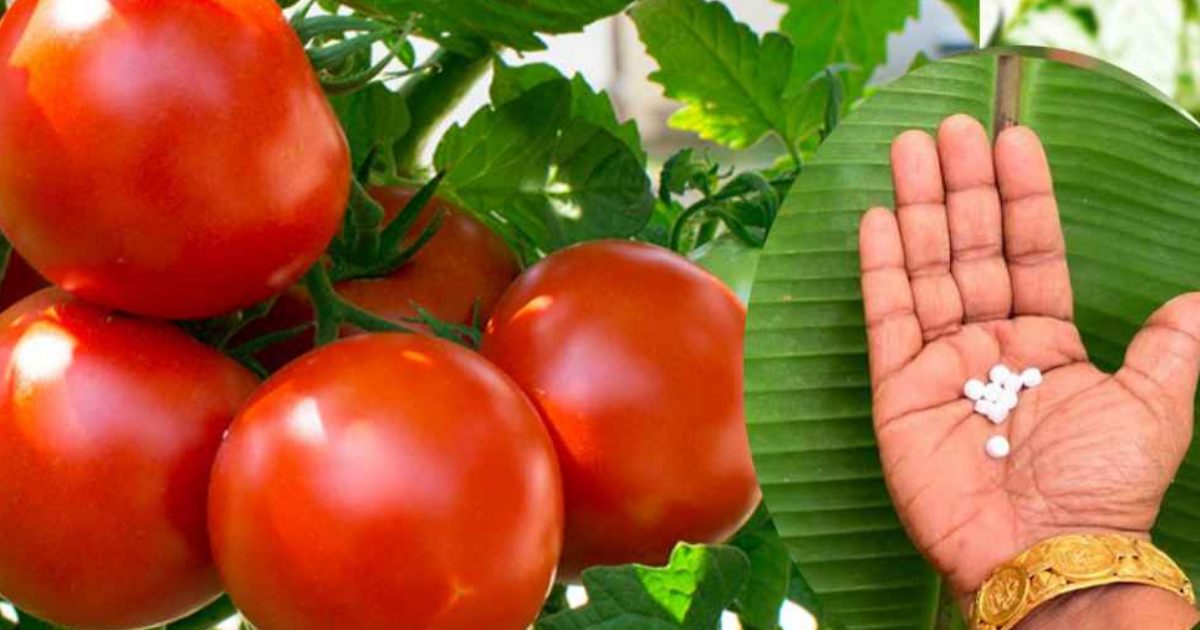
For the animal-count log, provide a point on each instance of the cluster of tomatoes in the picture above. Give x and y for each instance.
(170, 160)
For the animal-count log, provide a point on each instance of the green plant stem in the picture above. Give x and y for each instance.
(245, 318)
(258, 344)
(331, 311)
(676, 239)
(431, 96)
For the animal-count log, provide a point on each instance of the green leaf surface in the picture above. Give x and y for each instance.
(802, 593)
(852, 32)
(511, 82)
(543, 177)
(770, 573)
(730, 80)
(556, 601)
(691, 592)
(513, 23)
(1124, 164)
(373, 117)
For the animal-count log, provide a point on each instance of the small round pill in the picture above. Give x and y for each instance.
(999, 373)
(1008, 399)
(1013, 383)
(997, 447)
(1031, 377)
(998, 415)
(984, 406)
(973, 389)
(992, 392)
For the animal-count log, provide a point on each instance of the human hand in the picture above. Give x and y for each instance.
(971, 271)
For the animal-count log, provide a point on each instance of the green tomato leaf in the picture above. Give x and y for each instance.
(691, 592)
(770, 572)
(852, 32)
(556, 601)
(373, 117)
(593, 171)
(658, 228)
(730, 81)
(510, 82)
(513, 23)
(543, 178)
(688, 170)
(503, 152)
(597, 108)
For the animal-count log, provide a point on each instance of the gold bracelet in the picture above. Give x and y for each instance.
(1071, 563)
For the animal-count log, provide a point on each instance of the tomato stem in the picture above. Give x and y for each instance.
(331, 311)
(243, 318)
(432, 95)
(258, 344)
(369, 249)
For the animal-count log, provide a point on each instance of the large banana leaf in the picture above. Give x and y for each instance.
(1127, 171)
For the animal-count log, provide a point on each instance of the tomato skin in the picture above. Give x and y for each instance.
(387, 481)
(634, 357)
(462, 265)
(168, 158)
(110, 425)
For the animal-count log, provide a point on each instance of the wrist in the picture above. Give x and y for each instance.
(1115, 607)
(1113, 580)
(1030, 536)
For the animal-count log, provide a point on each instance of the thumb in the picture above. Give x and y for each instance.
(1166, 351)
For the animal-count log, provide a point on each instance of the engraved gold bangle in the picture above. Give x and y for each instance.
(1071, 563)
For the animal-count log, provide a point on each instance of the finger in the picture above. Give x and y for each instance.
(893, 333)
(1166, 352)
(921, 212)
(1033, 237)
(973, 210)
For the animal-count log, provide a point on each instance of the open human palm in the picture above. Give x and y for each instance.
(971, 271)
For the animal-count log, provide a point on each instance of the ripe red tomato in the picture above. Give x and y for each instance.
(463, 265)
(19, 281)
(175, 158)
(387, 481)
(634, 357)
(109, 426)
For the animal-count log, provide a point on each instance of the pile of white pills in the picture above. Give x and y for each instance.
(995, 399)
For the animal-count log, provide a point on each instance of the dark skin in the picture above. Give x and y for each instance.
(970, 271)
